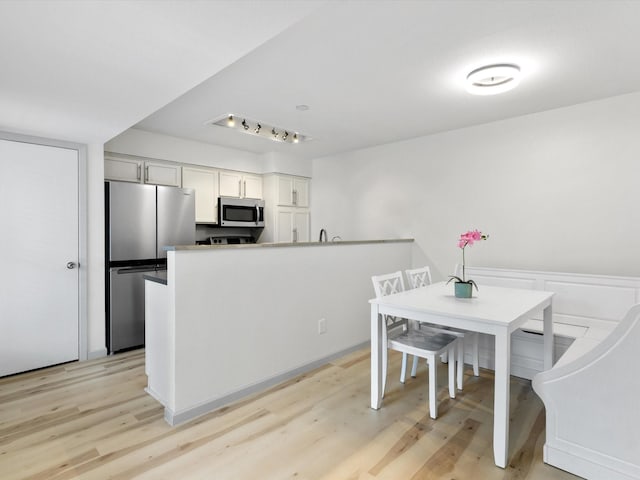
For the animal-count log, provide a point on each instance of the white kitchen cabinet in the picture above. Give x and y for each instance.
(139, 171)
(162, 174)
(292, 191)
(205, 183)
(291, 225)
(123, 169)
(286, 200)
(240, 185)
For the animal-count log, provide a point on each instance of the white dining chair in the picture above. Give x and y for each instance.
(421, 277)
(400, 336)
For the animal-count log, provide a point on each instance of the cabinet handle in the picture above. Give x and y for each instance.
(295, 197)
(240, 188)
(139, 172)
(146, 173)
(295, 235)
(245, 188)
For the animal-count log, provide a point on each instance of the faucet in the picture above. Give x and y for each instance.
(323, 233)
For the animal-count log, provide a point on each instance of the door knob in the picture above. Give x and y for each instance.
(71, 265)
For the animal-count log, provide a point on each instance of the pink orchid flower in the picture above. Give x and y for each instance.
(466, 239)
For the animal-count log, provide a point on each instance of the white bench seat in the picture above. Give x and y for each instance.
(579, 347)
(561, 329)
(590, 394)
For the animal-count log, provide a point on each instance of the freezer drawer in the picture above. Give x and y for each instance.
(126, 308)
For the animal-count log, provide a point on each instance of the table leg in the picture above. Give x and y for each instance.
(501, 398)
(548, 337)
(376, 358)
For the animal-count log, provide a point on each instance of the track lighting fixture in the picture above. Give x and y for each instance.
(258, 129)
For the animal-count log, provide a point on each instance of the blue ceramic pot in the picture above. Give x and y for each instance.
(463, 289)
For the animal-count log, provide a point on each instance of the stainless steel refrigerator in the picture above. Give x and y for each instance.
(140, 221)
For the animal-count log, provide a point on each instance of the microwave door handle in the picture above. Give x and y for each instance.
(257, 214)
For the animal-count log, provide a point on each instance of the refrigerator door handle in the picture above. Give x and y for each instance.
(125, 270)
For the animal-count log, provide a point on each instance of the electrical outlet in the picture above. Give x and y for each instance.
(322, 325)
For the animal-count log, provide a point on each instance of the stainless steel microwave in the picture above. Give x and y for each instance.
(240, 212)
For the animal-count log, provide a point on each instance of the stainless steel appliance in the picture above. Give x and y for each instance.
(240, 212)
(140, 221)
(222, 239)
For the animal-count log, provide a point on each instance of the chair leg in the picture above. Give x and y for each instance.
(385, 354)
(460, 343)
(433, 390)
(414, 367)
(476, 357)
(452, 371)
(403, 369)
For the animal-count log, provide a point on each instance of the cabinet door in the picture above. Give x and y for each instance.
(285, 190)
(123, 170)
(230, 184)
(284, 225)
(301, 225)
(205, 183)
(252, 186)
(301, 192)
(162, 174)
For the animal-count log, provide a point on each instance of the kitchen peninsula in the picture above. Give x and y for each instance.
(230, 320)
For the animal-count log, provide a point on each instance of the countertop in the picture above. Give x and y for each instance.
(160, 276)
(281, 245)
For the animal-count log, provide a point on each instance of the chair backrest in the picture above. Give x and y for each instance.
(419, 277)
(387, 285)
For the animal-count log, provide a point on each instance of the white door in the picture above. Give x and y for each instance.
(38, 285)
(230, 184)
(284, 225)
(301, 224)
(252, 186)
(205, 183)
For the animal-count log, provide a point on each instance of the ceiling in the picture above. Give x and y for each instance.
(85, 71)
(372, 72)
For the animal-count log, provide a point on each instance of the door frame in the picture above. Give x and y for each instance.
(83, 308)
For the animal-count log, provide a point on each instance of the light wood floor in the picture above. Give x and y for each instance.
(92, 420)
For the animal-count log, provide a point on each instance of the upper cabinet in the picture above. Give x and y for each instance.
(241, 185)
(162, 174)
(292, 191)
(123, 169)
(205, 183)
(139, 171)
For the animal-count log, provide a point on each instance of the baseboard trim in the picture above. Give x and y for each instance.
(176, 418)
(92, 355)
(586, 468)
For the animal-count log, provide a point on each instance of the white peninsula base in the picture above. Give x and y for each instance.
(234, 320)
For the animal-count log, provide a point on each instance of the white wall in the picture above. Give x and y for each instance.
(556, 190)
(165, 147)
(96, 340)
(215, 296)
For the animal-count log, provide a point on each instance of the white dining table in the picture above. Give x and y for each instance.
(495, 311)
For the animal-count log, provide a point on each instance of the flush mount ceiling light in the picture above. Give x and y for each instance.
(258, 129)
(493, 79)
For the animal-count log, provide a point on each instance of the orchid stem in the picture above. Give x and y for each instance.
(463, 277)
